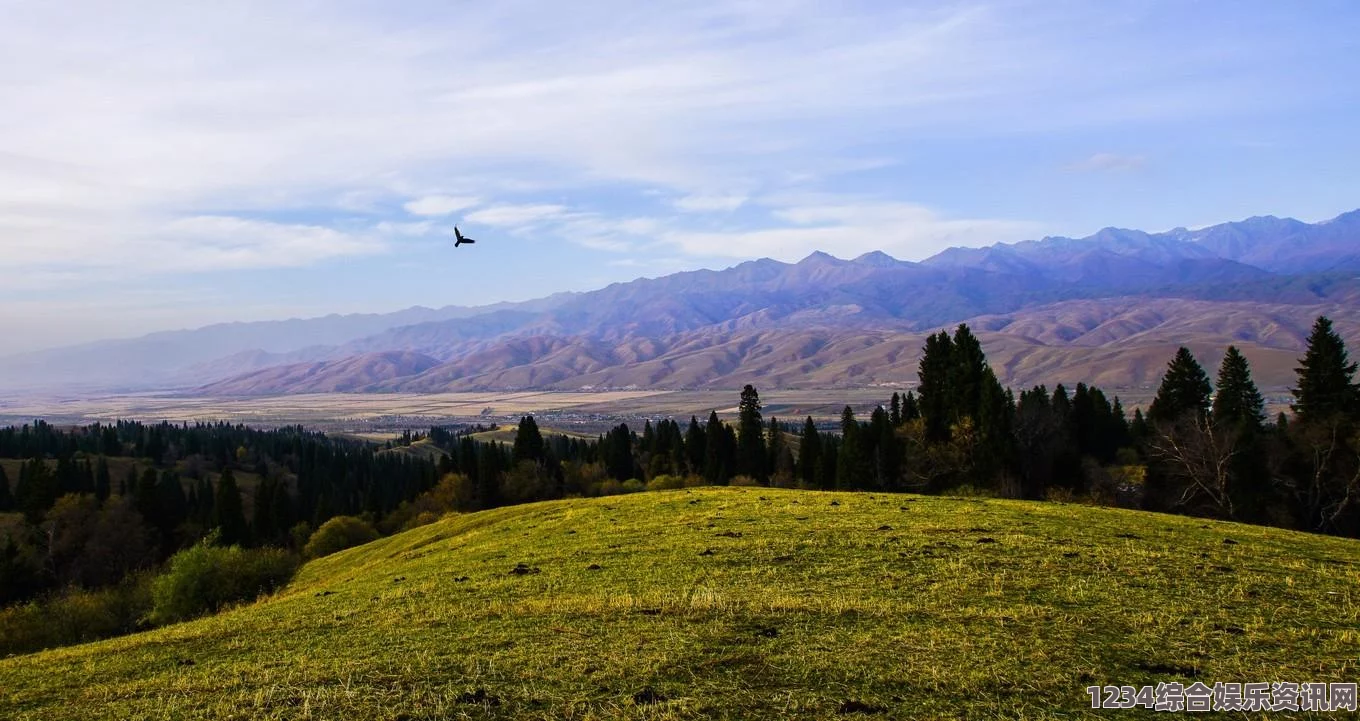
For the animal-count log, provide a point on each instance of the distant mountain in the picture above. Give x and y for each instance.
(188, 357)
(1118, 342)
(706, 328)
(346, 375)
(1259, 245)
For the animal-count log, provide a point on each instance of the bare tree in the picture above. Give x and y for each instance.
(1199, 454)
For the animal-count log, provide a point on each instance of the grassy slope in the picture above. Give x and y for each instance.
(898, 602)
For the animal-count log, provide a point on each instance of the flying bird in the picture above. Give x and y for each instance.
(460, 239)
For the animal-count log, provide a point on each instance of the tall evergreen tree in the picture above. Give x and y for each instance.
(1238, 403)
(228, 516)
(895, 412)
(528, 442)
(810, 456)
(1326, 376)
(37, 489)
(936, 389)
(718, 466)
(853, 464)
(102, 480)
(911, 410)
(751, 451)
(694, 446)
(6, 498)
(1185, 389)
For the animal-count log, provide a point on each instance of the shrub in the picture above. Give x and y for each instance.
(633, 485)
(203, 578)
(76, 616)
(694, 480)
(665, 483)
(337, 534)
(743, 481)
(611, 487)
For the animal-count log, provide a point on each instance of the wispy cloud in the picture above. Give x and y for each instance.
(515, 215)
(850, 228)
(709, 203)
(440, 204)
(190, 137)
(1107, 162)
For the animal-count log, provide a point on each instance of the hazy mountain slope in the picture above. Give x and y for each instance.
(1266, 243)
(871, 293)
(1121, 342)
(174, 356)
(348, 374)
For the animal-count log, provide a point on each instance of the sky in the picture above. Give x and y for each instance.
(169, 165)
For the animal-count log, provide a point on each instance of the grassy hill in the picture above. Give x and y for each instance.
(740, 603)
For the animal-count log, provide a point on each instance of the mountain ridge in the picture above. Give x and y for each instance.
(1299, 264)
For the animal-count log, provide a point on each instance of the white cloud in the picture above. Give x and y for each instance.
(848, 229)
(153, 136)
(515, 215)
(1107, 162)
(709, 203)
(440, 204)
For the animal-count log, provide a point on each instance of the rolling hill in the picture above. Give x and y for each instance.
(739, 603)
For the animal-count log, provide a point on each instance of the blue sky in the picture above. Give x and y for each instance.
(167, 165)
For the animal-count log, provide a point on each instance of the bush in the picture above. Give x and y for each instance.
(633, 485)
(695, 480)
(665, 483)
(337, 534)
(203, 578)
(743, 481)
(75, 617)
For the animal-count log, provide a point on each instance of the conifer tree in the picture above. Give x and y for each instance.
(936, 389)
(718, 466)
(1326, 377)
(810, 456)
(6, 498)
(1238, 403)
(751, 452)
(228, 516)
(102, 480)
(911, 410)
(695, 452)
(528, 442)
(895, 412)
(1185, 389)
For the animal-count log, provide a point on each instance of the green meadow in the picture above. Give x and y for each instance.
(740, 603)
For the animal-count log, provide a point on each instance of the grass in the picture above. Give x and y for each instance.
(740, 603)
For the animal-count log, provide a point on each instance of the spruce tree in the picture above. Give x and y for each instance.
(911, 410)
(810, 455)
(1326, 377)
(227, 514)
(1185, 389)
(936, 389)
(1238, 403)
(102, 480)
(895, 414)
(717, 466)
(751, 452)
(528, 441)
(694, 447)
(6, 498)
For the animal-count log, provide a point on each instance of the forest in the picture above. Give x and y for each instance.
(88, 507)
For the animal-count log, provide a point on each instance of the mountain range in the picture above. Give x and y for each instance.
(1110, 308)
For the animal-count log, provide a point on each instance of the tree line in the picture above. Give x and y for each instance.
(1202, 448)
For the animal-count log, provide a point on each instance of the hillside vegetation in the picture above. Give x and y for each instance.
(740, 603)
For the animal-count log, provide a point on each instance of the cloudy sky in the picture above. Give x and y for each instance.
(170, 164)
